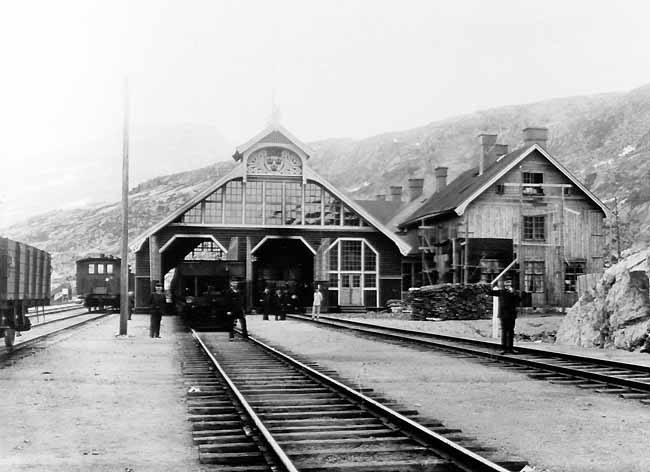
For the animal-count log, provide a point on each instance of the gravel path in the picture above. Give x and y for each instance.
(556, 428)
(93, 401)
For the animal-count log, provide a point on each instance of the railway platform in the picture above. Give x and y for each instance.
(91, 400)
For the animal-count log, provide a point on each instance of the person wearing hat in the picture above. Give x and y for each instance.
(508, 301)
(235, 309)
(157, 303)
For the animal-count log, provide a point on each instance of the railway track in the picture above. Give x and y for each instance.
(254, 408)
(627, 380)
(30, 339)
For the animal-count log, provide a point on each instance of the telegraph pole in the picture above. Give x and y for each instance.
(124, 289)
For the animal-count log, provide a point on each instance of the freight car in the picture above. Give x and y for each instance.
(25, 273)
(98, 281)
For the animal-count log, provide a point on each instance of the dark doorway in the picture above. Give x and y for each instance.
(284, 263)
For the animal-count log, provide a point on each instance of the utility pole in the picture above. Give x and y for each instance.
(124, 289)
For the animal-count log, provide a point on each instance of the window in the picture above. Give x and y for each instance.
(293, 203)
(350, 218)
(254, 202)
(109, 268)
(193, 215)
(332, 215)
(572, 270)
(205, 251)
(568, 191)
(535, 228)
(273, 203)
(313, 199)
(233, 200)
(533, 178)
(501, 189)
(534, 276)
(100, 268)
(213, 208)
(91, 268)
(350, 255)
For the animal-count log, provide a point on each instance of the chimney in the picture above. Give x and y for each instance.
(535, 136)
(441, 177)
(396, 193)
(415, 188)
(500, 150)
(381, 197)
(487, 157)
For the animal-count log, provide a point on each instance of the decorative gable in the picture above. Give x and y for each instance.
(274, 161)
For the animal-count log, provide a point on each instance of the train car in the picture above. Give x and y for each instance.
(98, 282)
(25, 274)
(198, 289)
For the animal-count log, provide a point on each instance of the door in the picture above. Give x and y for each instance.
(350, 292)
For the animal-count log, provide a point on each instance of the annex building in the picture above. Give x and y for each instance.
(274, 221)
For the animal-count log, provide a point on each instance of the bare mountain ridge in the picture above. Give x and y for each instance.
(603, 139)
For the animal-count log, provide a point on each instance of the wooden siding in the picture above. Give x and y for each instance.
(24, 272)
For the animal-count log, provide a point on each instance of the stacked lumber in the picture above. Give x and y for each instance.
(450, 302)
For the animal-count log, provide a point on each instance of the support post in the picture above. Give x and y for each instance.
(124, 267)
(466, 258)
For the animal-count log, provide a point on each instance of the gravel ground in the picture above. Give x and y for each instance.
(556, 428)
(93, 401)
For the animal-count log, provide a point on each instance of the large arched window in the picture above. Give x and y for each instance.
(272, 202)
(353, 268)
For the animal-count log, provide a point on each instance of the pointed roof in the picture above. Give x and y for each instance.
(469, 185)
(274, 133)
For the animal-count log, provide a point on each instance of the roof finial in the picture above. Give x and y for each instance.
(274, 118)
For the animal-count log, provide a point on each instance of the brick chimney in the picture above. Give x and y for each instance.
(381, 197)
(487, 156)
(396, 193)
(415, 188)
(500, 150)
(441, 177)
(535, 136)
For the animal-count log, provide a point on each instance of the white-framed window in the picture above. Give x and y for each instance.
(100, 268)
(109, 268)
(91, 268)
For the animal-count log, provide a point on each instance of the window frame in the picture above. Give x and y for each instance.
(533, 230)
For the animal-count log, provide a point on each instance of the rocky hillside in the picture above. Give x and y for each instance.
(603, 139)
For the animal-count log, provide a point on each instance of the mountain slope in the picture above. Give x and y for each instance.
(603, 139)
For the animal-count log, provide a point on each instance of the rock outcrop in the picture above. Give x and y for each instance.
(616, 312)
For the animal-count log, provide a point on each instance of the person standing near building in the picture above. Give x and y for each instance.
(235, 309)
(157, 303)
(267, 303)
(316, 304)
(508, 300)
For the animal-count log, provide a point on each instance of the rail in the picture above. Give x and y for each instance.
(268, 437)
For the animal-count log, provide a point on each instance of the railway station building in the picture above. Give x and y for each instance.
(274, 221)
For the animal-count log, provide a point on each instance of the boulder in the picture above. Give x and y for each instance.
(615, 312)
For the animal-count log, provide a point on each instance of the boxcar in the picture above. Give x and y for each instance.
(25, 273)
(98, 282)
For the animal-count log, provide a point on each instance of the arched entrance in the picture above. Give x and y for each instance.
(284, 262)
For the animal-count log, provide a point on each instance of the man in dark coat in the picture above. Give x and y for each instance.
(157, 303)
(235, 309)
(508, 301)
(267, 302)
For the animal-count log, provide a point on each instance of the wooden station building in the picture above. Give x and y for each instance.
(273, 221)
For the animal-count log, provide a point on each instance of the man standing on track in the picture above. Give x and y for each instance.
(235, 310)
(157, 303)
(318, 300)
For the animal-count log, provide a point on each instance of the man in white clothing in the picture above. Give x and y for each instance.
(318, 299)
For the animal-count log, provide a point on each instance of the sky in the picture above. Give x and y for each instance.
(334, 68)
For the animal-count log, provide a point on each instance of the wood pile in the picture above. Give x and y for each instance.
(450, 302)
